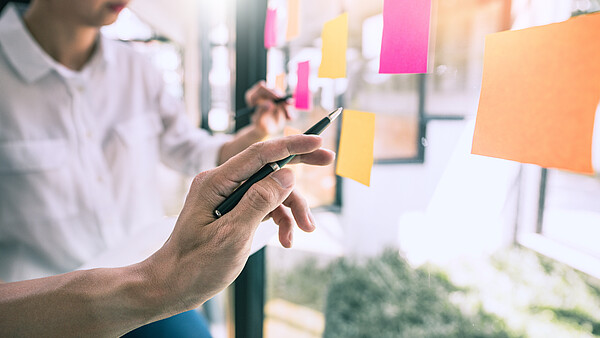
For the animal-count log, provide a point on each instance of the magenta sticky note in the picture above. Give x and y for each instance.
(302, 95)
(405, 43)
(271, 28)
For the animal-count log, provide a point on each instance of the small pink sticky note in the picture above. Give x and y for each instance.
(405, 43)
(270, 28)
(302, 95)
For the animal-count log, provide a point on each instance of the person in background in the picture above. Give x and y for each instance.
(201, 257)
(84, 121)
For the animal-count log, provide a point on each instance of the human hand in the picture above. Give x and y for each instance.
(204, 254)
(269, 117)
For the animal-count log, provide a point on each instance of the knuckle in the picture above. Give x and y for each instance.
(200, 178)
(298, 201)
(257, 150)
(260, 197)
(302, 201)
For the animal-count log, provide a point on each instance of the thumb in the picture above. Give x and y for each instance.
(263, 197)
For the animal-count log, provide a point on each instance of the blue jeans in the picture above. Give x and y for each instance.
(186, 324)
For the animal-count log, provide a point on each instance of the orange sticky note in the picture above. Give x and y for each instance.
(335, 43)
(293, 23)
(539, 95)
(280, 82)
(355, 153)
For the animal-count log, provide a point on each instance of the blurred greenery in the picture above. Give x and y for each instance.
(385, 297)
(305, 284)
(513, 293)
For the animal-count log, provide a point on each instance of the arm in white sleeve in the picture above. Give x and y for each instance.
(184, 147)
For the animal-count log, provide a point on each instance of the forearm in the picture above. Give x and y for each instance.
(243, 139)
(99, 302)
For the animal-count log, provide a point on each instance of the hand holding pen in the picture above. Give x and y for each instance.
(230, 202)
(268, 109)
(249, 110)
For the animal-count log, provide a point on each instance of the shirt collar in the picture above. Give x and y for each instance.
(105, 49)
(24, 53)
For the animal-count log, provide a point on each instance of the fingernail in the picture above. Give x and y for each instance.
(291, 239)
(284, 178)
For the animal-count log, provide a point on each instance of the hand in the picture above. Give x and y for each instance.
(268, 117)
(204, 254)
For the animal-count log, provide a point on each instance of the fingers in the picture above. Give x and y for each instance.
(301, 211)
(240, 167)
(283, 218)
(259, 91)
(262, 198)
(318, 157)
(282, 109)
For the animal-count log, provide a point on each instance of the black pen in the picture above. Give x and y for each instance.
(233, 199)
(249, 110)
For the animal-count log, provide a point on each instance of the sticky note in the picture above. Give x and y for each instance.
(335, 43)
(302, 97)
(280, 82)
(405, 42)
(271, 28)
(539, 95)
(355, 153)
(293, 22)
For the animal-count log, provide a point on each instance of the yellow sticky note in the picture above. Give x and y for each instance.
(335, 43)
(293, 23)
(355, 154)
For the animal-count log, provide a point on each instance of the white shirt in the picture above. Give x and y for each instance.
(79, 151)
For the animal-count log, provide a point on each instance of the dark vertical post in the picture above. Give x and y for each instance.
(542, 201)
(251, 66)
(251, 56)
(205, 55)
(421, 142)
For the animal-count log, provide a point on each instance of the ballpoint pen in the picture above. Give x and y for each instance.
(233, 199)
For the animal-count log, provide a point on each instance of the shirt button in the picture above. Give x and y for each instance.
(100, 179)
(89, 135)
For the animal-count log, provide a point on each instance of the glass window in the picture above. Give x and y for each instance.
(572, 211)
(303, 284)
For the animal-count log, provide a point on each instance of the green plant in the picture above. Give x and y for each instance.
(305, 284)
(385, 297)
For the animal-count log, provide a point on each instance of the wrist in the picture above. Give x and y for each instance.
(154, 291)
(113, 301)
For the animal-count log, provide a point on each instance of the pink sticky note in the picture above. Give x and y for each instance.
(270, 28)
(405, 43)
(302, 93)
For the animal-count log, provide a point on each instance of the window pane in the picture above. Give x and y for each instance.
(572, 210)
(454, 81)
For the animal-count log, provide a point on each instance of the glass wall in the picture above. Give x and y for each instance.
(340, 281)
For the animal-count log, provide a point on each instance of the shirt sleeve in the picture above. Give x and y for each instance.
(184, 147)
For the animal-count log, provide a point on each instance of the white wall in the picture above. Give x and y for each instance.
(453, 204)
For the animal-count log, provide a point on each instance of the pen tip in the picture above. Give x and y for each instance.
(335, 113)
